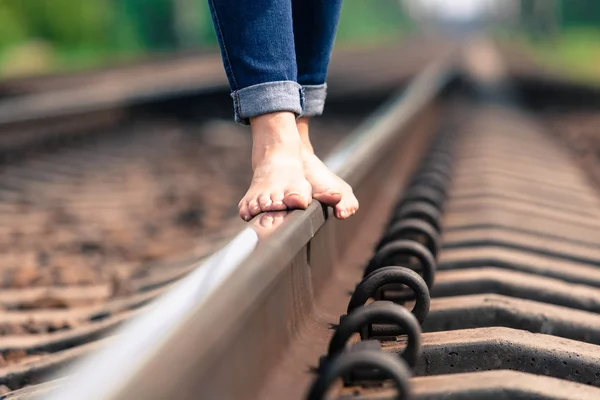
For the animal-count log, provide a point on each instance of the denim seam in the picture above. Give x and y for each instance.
(238, 105)
(314, 99)
(302, 98)
(229, 68)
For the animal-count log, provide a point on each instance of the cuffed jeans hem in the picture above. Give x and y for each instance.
(314, 99)
(266, 98)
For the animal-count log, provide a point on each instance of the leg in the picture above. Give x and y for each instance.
(315, 23)
(257, 46)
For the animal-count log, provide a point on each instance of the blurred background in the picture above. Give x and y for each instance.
(40, 36)
(43, 36)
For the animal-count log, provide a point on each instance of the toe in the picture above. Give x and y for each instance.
(355, 204)
(329, 197)
(297, 198)
(265, 202)
(253, 206)
(277, 201)
(352, 205)
(341, 213)
(348, 206)
(344, 209)
(244, 210)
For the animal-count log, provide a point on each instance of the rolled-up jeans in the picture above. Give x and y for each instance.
(276, 53)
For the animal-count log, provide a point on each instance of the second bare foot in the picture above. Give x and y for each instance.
(327, 187)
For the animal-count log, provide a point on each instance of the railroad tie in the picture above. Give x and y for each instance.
(492, 249)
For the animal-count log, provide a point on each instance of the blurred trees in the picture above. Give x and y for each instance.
(564, 34)
(554, 16)
(368, 20)
(539, 18)
(67, 34)
(70, 34)
(579, 13)
(68, 22)
(12, 28)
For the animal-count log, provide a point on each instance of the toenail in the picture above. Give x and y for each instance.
(343, 214)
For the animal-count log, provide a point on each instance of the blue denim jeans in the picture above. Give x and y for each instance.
(276, 53)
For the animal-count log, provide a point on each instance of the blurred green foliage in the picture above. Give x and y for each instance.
(564, 34)
(575, 14)
(65, 21)
(371, 20)
(48, 35)
(12, 28)
(576, 52)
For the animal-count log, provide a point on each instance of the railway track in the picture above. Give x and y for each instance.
(106, 206)
(471, 272)
(94, 230)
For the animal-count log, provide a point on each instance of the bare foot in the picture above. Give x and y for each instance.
(327, 187)
(278, 182)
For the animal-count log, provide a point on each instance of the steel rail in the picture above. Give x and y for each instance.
(217, 332)
(104, 94)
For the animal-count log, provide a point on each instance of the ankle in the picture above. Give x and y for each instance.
(303, 130)
(278, 127)
(272, 134)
